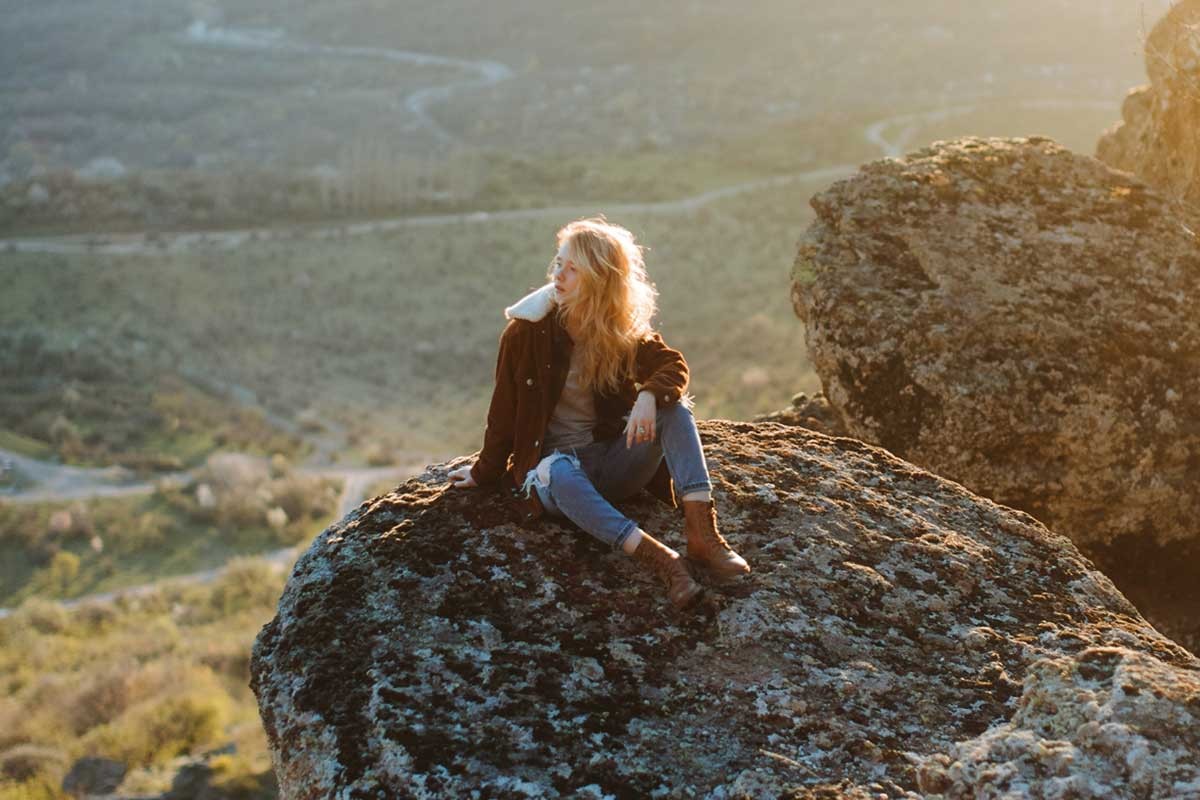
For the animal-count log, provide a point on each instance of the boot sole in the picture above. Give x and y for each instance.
(691, 601)
(718, 578)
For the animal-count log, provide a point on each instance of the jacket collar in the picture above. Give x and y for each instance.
(533, 306)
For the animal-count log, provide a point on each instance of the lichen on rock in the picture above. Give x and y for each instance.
(1018, 318)
(1021, 319)
(429, 646)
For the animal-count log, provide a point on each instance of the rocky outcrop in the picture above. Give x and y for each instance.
(813, 413)
(1020, 319)
(897, 635)
(1159, 135)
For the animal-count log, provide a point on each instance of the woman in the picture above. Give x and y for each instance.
(589, 408)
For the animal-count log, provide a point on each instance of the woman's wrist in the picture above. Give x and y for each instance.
(647, 393)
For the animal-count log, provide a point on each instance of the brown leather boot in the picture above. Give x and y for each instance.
(666, 563)
(706, 545)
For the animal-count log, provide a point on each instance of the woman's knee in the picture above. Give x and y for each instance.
(563, 466)
(565, 473)
(554, 468)
(674, 413)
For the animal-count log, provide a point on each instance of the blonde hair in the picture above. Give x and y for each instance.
(614, 302)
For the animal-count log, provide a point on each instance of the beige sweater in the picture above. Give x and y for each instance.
(574, 415)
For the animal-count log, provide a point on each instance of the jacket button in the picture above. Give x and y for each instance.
(666, 398)
(537, 442)
(529, 381)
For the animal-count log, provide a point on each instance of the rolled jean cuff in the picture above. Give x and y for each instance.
(699, 486)
(625, 533)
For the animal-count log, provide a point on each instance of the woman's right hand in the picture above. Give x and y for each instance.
(461, 478)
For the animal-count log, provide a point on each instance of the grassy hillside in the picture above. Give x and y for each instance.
(395, 334)
(83, 396)
(142, 680)
(66, 550)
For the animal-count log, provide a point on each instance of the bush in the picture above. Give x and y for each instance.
(147, 530)
(241, 508)
(28, 761)
(281, 467)
(234, 777)
(43, 616)
(159, 730)
(302, 497)
(247, 583)
(57, 577)
(33, 789)
(23, 525)
(103, 697)
(96, 617)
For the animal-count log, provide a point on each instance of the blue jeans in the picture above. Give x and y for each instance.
(583, 485)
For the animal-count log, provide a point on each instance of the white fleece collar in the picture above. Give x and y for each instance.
(533, 306)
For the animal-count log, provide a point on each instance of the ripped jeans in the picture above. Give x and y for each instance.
(582, 485)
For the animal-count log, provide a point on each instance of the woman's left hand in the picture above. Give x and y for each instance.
(640, 427)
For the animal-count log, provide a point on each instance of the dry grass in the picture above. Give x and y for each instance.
(140, 680)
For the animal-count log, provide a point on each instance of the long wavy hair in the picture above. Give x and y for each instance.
(614, 301)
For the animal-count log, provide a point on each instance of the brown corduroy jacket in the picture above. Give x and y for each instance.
(531, 369)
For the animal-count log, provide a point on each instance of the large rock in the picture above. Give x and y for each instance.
(1159, 135)
(813, 413)
(1020, 319)
(897, 634)
(94, 776)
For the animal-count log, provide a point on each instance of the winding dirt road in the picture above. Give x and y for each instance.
(487, 73)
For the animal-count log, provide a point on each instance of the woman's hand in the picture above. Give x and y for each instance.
(641, 420)
(461, 478)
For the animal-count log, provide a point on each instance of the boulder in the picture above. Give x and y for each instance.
(93, 775)
(1158, 137)
(813, 413)
(897, 633)
(1020, 319)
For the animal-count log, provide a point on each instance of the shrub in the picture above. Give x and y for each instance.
(27, 761)
(302, 497)
(183, 500)
(280, 466)
(43, 616)
(24, 525)
(34, 789)
(247, 583)
(161, 729)
(240, 509)
(57, 577)
(103, 696)
(147, 530)
(62, 429)
(235, 778)
(379, 456)
(96, 617)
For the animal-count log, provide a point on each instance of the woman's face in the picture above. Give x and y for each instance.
(565, 274)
